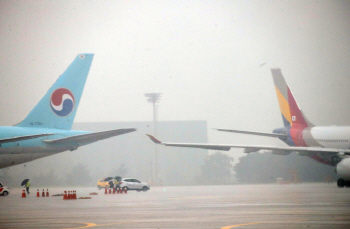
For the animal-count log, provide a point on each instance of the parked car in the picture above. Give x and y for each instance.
(102, 183)
(134, 184)
(4, 191)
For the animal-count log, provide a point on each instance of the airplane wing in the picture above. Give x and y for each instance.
(254, 148)
(90, 137)
(254, 133)
(21, 138)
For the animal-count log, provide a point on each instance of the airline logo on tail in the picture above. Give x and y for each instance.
(62, 102)
(291, 113)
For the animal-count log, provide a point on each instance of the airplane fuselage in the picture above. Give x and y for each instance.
(328, 137)
(18, 152)
(324, 137)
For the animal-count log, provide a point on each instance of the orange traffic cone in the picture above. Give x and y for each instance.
(74, 194)
(43, 193)
(69, 195)
(118, 190)
(125, 190)
(109, 191)
(37, 193)
(65, 197)
(113, 190)
(47, 192)
(106, 190)
(24, 194)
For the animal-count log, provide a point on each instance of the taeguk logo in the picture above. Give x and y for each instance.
(62, 102)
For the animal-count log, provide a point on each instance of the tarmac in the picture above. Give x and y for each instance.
(236, 206)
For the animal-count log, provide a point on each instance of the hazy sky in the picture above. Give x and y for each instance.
(204, 56)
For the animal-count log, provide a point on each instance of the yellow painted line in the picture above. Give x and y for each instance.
(87, 225)
(99, 225)
(238, 225)
(283, 221)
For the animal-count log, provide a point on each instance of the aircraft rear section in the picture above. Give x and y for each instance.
(58, 107)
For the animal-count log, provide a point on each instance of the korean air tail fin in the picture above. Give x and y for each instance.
(291, 114)
(59, 105)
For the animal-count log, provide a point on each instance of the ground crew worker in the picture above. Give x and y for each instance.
(117, 179)
(111, 185)
(27, 187)
(116, 184)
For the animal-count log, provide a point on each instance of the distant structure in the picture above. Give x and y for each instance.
(154, 98)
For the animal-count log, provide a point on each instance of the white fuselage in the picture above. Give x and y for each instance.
(14, 153)
(328, 137)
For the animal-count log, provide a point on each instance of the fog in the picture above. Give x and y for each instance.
(210, 60)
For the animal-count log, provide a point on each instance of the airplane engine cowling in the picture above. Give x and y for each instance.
(301, 153)
(343, 169)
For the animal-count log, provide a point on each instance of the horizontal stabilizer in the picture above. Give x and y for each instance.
(254, 133)
(84, 139)
(21, 138)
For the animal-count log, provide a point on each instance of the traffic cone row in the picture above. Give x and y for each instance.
(37, 193)
(43, 193)
(72, 195)
(116, 190)
(122, 190)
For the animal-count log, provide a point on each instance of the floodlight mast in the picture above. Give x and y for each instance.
(154, 98)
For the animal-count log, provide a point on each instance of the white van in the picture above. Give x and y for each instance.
(4, 191)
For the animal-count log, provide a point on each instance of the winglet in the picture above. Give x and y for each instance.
(154, 139)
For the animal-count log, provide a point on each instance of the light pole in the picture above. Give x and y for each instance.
(154, 98)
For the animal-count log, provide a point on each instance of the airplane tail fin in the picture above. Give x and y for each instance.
(291, 114)
(59, 105)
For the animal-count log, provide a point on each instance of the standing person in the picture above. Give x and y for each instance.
(117, 180)
(27, 187)
(111, 185)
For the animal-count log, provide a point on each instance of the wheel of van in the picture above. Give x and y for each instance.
(5, 193)
(341, 183)
(99, 187)
(347, 184)
(144, 188)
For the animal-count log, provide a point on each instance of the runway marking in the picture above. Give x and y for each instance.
(99, 225)
(238, 225)
(87, 225)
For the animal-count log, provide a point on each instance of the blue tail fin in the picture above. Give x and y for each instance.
(58, 107)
